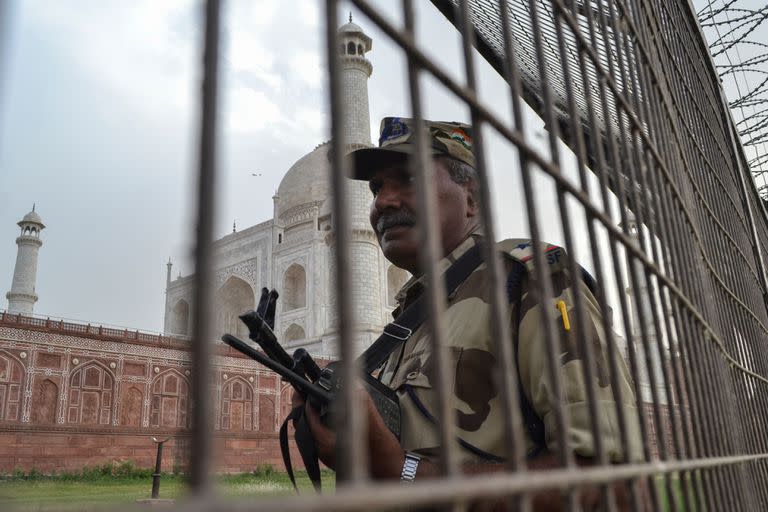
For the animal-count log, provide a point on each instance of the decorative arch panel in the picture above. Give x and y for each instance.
(170, 400)
(237, 405)
(91, 391)
(11, 380)
(45, 398)
(294, 332)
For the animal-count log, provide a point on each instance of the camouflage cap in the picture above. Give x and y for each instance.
(397, 140)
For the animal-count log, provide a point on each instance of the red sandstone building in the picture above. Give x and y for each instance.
(76, 394)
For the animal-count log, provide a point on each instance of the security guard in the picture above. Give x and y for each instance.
(473, 356)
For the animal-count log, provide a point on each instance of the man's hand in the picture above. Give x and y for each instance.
(385, 456)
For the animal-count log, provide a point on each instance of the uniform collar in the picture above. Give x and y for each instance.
(414, 286)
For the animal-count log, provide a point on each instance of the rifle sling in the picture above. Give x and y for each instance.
(398, 332)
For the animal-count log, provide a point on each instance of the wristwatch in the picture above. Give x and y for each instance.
(411, 464)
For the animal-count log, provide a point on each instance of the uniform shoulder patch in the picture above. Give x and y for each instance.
(522, 250)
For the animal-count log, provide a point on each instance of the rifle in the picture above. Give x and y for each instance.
(319, 386)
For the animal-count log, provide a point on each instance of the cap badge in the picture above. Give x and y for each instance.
(394, 128)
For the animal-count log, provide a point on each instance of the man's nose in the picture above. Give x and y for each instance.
(389, 196)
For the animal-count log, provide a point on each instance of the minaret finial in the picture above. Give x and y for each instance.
(234, 225)
(33, 206)
(350, 16)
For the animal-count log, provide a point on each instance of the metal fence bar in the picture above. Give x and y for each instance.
(508, 378)
(353, 454)
(424, 173)
(202, 325)
(443, 491)
(601, 169)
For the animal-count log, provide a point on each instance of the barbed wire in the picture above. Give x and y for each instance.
(736, 32)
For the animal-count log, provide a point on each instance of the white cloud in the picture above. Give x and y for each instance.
(249, 110)
(123, 43)
(306, 67)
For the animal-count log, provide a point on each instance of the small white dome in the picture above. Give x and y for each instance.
(307, 181)
(32, 218)
(350, 27)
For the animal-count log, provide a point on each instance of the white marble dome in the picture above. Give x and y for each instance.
(307, 181)
(32, 218)
(351, 27)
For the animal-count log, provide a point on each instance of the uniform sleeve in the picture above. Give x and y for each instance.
(532, 354)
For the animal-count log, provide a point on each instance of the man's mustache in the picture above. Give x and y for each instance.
(395, 218)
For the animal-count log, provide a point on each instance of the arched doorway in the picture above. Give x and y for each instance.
(234, 298)
(294, 288)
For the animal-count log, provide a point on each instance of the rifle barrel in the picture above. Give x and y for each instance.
(296, 380)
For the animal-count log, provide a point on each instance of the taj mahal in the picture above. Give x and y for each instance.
(292, 252)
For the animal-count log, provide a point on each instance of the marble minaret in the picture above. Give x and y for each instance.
(22, 297)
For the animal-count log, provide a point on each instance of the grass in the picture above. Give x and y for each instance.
(90, 490)
(677, 494)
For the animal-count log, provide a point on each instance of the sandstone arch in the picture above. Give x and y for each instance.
(45, 398)
(11, 382)
(91, 390)
(170, 400)
(237, 405)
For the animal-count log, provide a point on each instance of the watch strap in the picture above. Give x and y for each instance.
(410, 465)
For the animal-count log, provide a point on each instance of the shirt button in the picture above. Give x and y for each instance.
(412, 375)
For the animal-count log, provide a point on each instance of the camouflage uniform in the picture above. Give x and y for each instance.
(475, 398)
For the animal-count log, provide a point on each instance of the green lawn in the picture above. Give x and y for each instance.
(91, 494)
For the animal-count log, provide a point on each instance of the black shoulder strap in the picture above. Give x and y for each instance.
(414, 315)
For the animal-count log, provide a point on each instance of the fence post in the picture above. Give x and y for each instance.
(158, 466)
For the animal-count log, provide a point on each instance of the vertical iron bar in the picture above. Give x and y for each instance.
(509, 379)
(424, 172)
(202, 330)
(352, 456)
(543, 279)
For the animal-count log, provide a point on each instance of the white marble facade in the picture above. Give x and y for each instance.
(293, 251)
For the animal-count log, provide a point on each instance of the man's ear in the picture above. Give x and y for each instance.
(473, 209)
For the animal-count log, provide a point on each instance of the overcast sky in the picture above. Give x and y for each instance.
(98, 128)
